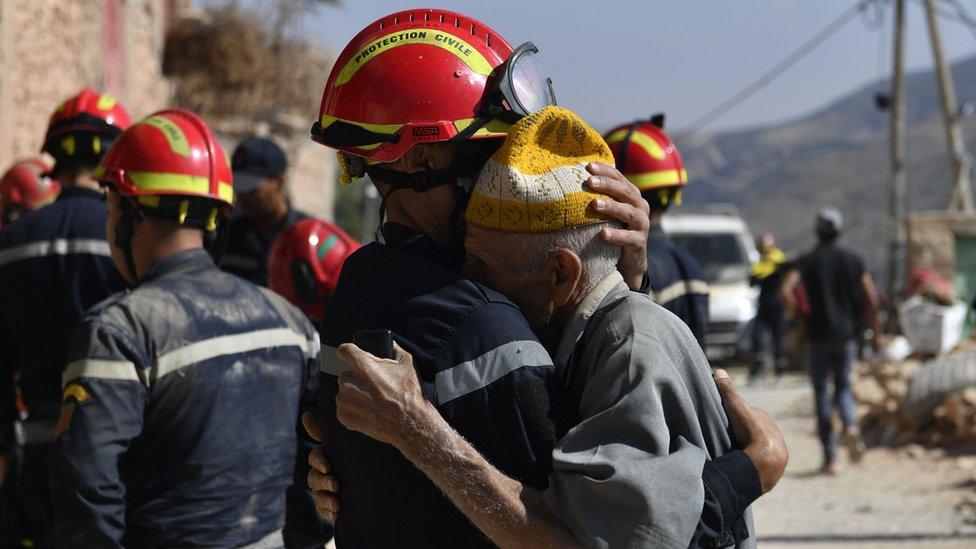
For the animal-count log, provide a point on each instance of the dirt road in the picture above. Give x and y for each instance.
(902, 498)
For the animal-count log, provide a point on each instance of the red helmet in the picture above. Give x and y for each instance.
(27, 186)
(170, 154)
(646, 155)
(422, 76)
(305, 261)
(89, 112)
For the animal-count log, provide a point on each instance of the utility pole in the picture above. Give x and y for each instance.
(896, 190)
(961, 199)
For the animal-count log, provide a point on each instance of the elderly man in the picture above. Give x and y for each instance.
(632, 470)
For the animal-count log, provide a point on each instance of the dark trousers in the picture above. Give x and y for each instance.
(832, 362)
(768, 343)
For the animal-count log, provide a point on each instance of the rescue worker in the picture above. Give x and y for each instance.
(448, 95)
(842, 297)
(629, 473)
(304, 264)
(24, 188)
(182, 395)
(260, 168)
(651, 161)
(54, 265)
(769, 328)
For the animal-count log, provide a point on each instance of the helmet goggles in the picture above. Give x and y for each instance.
(515, 88)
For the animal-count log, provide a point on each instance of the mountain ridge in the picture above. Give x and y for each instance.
(779, 175)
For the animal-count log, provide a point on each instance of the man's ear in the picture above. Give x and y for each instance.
(566, 272)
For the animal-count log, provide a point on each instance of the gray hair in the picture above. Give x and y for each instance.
(599, 257)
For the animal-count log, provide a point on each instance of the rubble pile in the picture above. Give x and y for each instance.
(880, 390)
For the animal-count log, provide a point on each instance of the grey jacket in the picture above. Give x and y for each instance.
(629, 474)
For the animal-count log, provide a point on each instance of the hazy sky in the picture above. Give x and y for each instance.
(613, 60)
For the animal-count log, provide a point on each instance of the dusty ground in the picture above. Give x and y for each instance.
(908, 497)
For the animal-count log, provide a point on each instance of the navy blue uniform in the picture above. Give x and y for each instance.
(182, 401)
(478, 362)
(677, 283)
(248, 246)
(54, 264)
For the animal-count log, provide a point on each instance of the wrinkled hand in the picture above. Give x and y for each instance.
(321, 483)
(762, 441)
(628, 207)
(379, 397)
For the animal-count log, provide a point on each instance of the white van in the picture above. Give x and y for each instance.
(721, 242)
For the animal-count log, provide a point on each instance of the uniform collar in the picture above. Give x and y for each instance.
(80, 192)
(400, 236)
(180, 261)
(656, 231)
(584, 311)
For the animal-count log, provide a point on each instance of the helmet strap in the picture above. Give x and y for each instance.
(125, 230)
(469, 158)
(215, 241)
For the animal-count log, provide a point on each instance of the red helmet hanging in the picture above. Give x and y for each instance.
(88, 112)
(305, 261)
(26, 186)
(416, 76)
(647, 156)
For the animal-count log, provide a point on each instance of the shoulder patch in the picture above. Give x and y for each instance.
(75, 392)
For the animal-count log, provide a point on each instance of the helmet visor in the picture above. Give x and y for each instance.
(523, 86)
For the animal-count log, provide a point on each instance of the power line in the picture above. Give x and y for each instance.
(964, 17)
(778, 69)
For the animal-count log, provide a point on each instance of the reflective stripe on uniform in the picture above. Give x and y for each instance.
(58, 246)
(680, 288)
(232, 345)
(191, 354)
(102, 369)
(472, 375)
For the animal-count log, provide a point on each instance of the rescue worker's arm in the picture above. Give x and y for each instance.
(630, 208)
(102, 412)
(381, 399)
(391, 408)
(870, 294)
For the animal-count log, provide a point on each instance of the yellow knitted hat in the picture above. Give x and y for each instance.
(534, 183)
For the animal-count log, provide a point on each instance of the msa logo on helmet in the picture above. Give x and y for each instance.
(425, 133)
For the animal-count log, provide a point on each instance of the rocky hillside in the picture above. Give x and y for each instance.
(780, 175)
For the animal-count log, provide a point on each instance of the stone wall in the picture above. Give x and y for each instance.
(50, 49)
(935, 233)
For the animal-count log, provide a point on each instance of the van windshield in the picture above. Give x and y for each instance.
(721, 256)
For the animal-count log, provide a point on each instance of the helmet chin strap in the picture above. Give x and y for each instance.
(468, 160)
(125, 229)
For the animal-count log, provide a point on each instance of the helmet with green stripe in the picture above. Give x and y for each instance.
(173, 167)
(647, 156)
